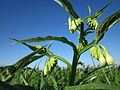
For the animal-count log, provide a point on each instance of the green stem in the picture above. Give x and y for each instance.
(81, 37)
(77, 54)
(73, 70)
(79, 44)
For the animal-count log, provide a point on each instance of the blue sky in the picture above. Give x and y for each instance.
(22, 19)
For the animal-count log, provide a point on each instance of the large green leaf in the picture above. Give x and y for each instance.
(93, 87)
(62, 5)
(106, 24)
(65, 4)
(41, 39)
(48, 52)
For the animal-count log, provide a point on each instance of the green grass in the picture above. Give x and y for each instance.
(33, 79)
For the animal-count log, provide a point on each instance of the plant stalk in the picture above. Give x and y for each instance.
(73, 70)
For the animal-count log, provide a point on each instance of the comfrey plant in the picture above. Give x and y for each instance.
(76, 24)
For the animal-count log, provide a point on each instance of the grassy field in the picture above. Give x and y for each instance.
(34, 79)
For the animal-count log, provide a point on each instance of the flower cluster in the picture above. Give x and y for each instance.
(92, 23)
(50, 63)
(102, 55)
(74, 23)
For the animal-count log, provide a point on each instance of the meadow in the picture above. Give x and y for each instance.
(34, 79)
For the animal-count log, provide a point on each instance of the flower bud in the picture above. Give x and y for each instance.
(46, 68)
(102, 59)
(95, 23)
(72, 24)
(107, 55)
(52, 61)
(102, 55)
(92, 23)
(49, 65)
(89, 20)
(109, 59)
(93, 52)
(78, 22)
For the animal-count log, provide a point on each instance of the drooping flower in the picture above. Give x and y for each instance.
(102, 55)
(108, 57)
(49, 65)
(74, 23)
(101, 58)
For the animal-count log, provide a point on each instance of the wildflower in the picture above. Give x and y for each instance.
(74, 23)
(101, 58)
(102, 55)
(49, 65)
(93, 52)
(108, 57)
(92, 23)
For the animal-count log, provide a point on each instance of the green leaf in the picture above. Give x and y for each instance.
(23, 79)
(99, 12)
(106, 24)
(52, 82)
(65, 4)
(41, 39)
(48, 53)
(42, 82)
(93, 87)
(61, 4)
(22, 63)
(34, 47)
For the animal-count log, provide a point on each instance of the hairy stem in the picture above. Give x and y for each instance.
(73, 70)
